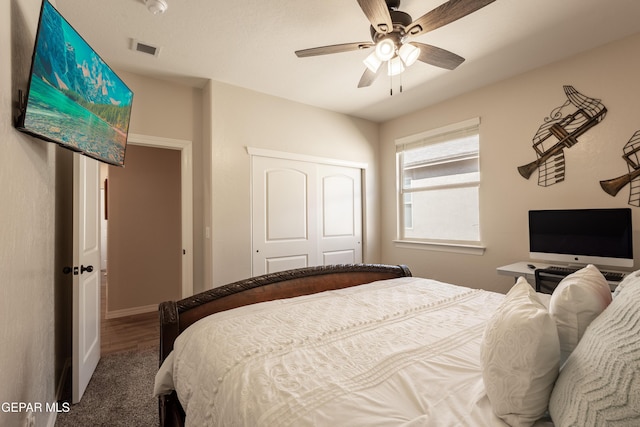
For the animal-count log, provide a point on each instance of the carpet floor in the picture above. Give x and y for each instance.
(120, 393)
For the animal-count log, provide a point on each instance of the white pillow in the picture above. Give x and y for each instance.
(577, 300)
(629, 279)
(600, 383)
(520, 356)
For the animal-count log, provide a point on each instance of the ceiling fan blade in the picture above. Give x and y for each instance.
(377, 13)
(445, 14)
(438, 57)
(368, 77)
(334, 48)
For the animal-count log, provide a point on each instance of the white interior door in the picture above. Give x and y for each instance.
(340, 237)
(284, 215)
(86, 273)
(304, 214)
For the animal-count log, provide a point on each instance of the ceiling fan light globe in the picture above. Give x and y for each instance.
(395, 66)
(409, 54)
(385, 49)
(372, 62)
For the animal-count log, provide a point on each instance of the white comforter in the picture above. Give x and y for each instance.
(401, 352)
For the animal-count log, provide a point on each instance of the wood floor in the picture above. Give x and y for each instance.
(138, 332)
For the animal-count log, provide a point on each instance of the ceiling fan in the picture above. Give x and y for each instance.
(391, 30)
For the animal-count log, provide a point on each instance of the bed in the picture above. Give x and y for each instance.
(372, 345)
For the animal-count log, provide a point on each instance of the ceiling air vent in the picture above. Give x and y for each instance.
(144, 48)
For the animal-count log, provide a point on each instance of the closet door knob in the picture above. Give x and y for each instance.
(88, 269)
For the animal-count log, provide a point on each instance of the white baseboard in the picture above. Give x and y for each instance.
(130, 311)
(51, 422)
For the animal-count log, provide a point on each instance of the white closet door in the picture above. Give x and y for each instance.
(284, 215)
(340, 238)
(304, 214)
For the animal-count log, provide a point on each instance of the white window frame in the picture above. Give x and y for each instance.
(432, 136)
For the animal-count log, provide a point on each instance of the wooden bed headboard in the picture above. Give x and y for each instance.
(176, 316)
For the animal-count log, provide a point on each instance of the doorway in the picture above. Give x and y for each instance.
(149, 259)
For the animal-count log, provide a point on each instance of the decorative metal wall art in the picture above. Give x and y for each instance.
(561, 131)
(630, 156)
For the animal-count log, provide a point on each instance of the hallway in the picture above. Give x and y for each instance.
(137, 332)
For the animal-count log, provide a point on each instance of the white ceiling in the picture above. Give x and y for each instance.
(251, 43)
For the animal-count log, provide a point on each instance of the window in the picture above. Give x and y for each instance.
(439, 179)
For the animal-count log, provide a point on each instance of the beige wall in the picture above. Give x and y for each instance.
(511, 112)
(242, 118)
(233, 118)
(144, 230)
(170, 110)
(27, 215)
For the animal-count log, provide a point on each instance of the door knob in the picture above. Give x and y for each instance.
(88, 269)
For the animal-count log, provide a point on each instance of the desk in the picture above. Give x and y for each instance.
(521, 268)
(518, 269)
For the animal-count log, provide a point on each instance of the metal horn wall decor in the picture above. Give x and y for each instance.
(630, 156)
(560, 131)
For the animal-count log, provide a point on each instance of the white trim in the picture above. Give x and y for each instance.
(51, 421)
(304, 158)
(446, 133)
(53, 416)
(130, 311)
(441, 247)
(439, 131)
(186, 191)
(468, 184)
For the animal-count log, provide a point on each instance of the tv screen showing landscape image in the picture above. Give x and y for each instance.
(74, 98)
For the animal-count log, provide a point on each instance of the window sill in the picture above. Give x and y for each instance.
(441, 247)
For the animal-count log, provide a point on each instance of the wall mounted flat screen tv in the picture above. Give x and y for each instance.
(74, 98)
(603, 237)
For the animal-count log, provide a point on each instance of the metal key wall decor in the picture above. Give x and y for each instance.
(630, 156)
(559, 131)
